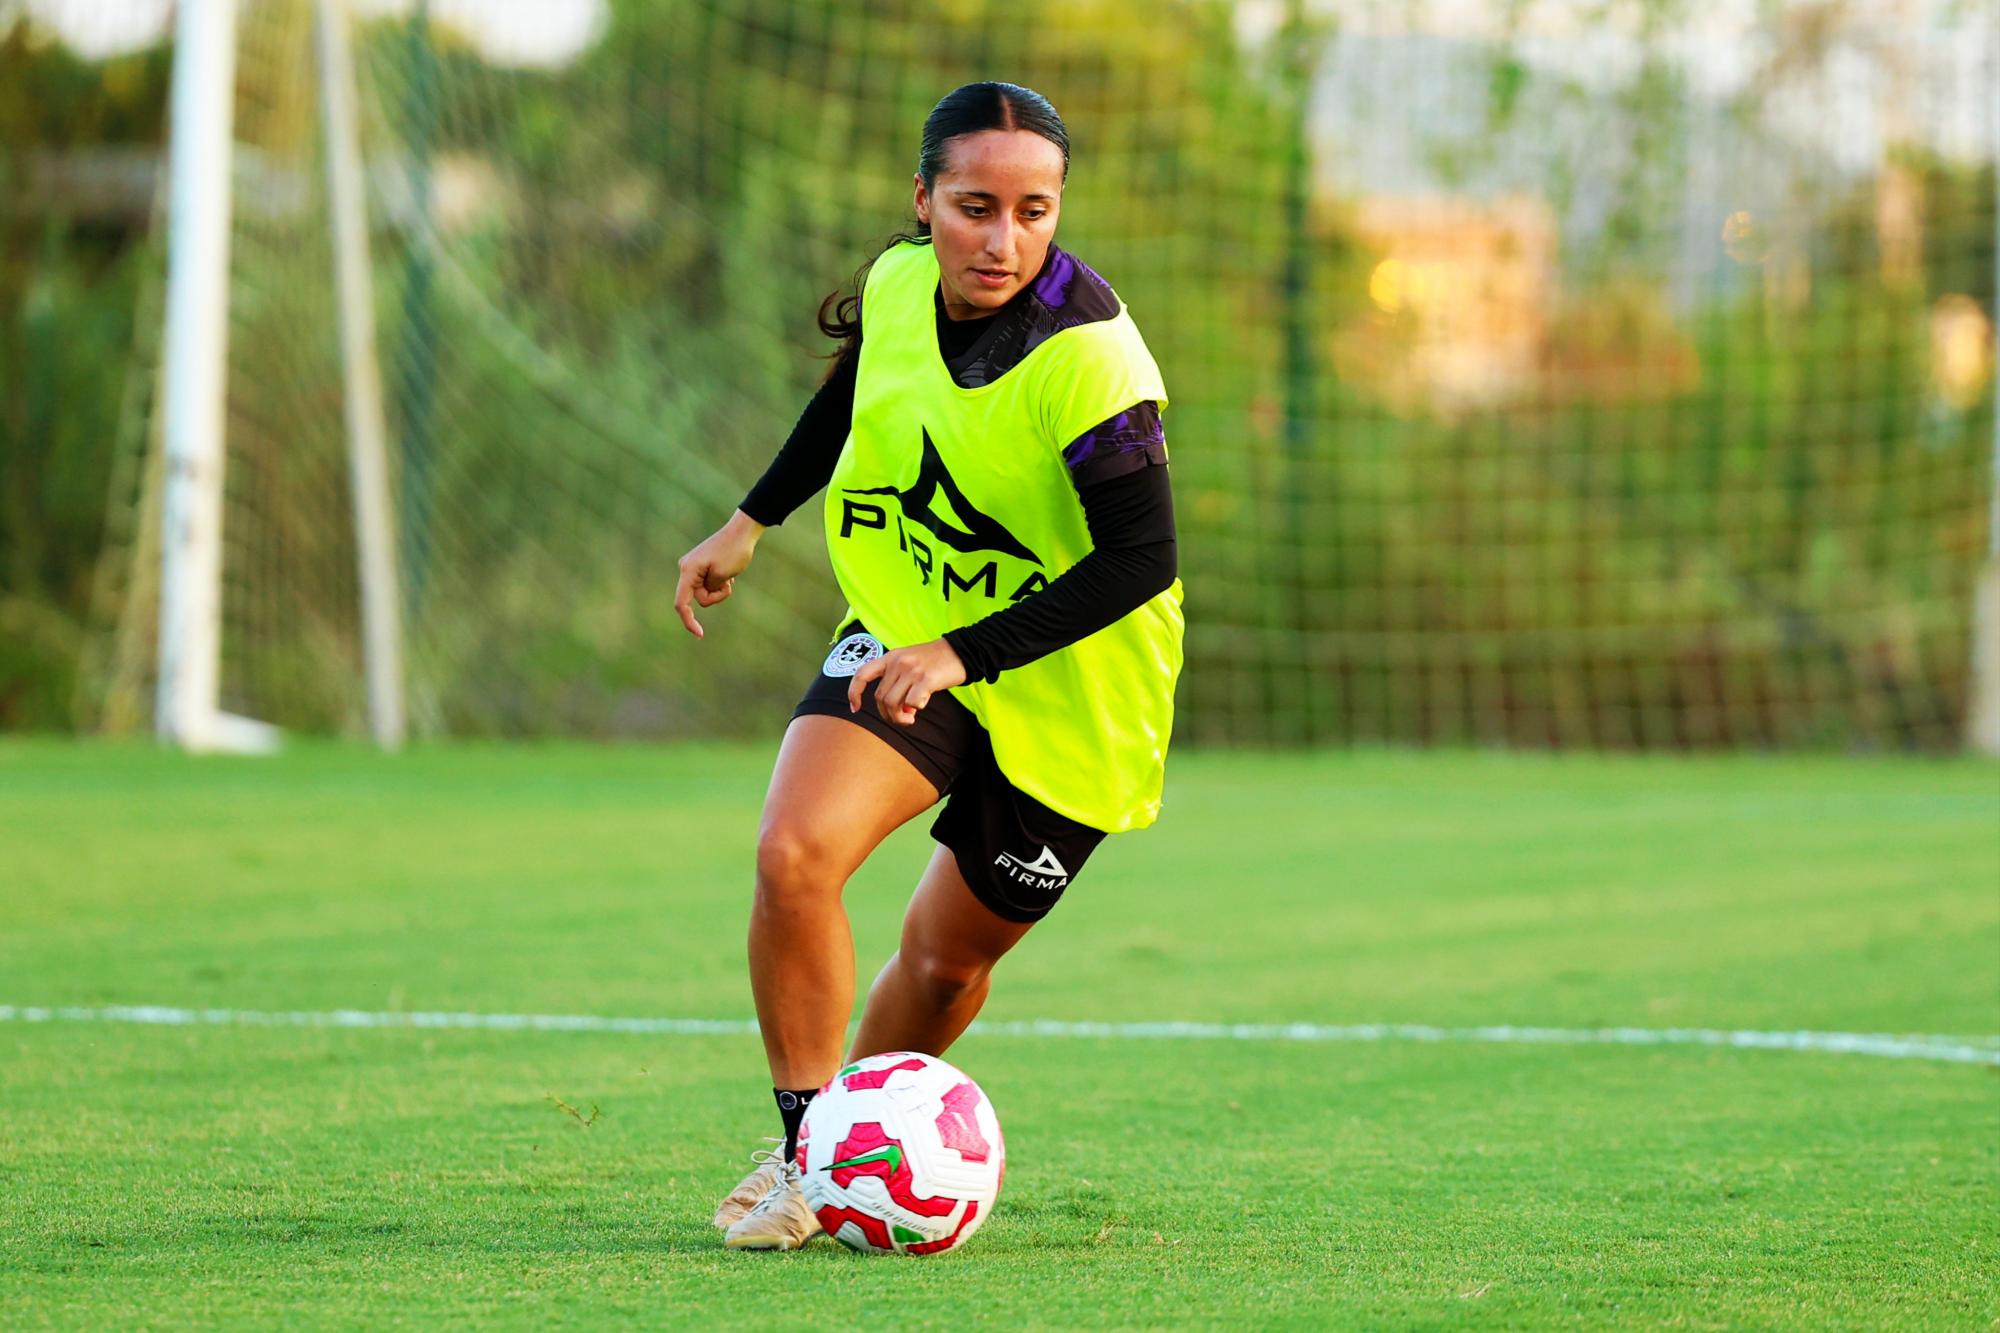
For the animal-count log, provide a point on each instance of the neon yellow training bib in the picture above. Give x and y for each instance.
(949, 504)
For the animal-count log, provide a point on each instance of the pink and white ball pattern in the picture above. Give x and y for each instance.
(901, 1154)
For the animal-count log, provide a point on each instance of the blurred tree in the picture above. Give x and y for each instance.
(71, 258)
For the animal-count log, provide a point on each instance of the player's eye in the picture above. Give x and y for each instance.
(974, 211)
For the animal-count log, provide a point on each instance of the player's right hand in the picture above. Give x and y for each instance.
(708, 572)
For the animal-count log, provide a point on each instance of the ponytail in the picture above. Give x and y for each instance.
(840, 312)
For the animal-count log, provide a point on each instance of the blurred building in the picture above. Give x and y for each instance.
(1459, 301)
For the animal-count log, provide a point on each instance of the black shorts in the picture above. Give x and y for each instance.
(1016, 853)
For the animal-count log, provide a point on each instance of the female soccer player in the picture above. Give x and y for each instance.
(999, 522)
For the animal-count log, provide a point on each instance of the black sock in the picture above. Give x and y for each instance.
(792, 1105)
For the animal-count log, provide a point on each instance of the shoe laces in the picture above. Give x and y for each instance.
(787, 1179)
(769, 1156)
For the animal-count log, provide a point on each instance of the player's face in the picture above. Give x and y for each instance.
(992, 212)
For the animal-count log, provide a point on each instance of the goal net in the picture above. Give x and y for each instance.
(1542, 374)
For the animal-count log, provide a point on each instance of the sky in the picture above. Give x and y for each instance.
(504, 32)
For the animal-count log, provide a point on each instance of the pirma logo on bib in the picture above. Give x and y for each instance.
(981, 531)
(934, 503)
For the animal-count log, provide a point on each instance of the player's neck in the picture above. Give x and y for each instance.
(957, 312)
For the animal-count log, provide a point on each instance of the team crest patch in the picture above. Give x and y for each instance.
(851, 654)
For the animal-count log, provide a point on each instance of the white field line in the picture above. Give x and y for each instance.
(1974, 1050)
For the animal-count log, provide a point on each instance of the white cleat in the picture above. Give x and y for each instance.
(779, 1221)
(752, 1187)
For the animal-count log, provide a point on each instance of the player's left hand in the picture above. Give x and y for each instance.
(909, 676)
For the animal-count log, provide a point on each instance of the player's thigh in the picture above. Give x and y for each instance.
(836, 792)
(947, 931)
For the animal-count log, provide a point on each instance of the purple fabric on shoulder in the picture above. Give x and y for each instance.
(1051, 286)
(1135, 430)
(1067, 292)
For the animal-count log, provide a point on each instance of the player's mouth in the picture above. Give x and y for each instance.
(993, 277)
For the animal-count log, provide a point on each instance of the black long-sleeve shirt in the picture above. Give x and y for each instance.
(1118, 468)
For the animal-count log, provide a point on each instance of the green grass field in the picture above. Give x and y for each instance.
(177, 1176)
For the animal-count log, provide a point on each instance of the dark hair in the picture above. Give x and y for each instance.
(964, 110)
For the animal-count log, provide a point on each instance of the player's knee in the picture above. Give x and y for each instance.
(945, 977)
(793, 865)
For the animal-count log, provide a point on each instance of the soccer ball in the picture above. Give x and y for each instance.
(901, 1154)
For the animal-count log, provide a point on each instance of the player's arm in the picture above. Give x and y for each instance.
(804, 465)
(1120, 473)
(1119, 469)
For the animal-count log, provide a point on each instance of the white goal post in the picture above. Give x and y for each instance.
(367, 449)
(194, 385)
(1982, 725)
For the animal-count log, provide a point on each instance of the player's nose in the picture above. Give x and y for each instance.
(1000, 243)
